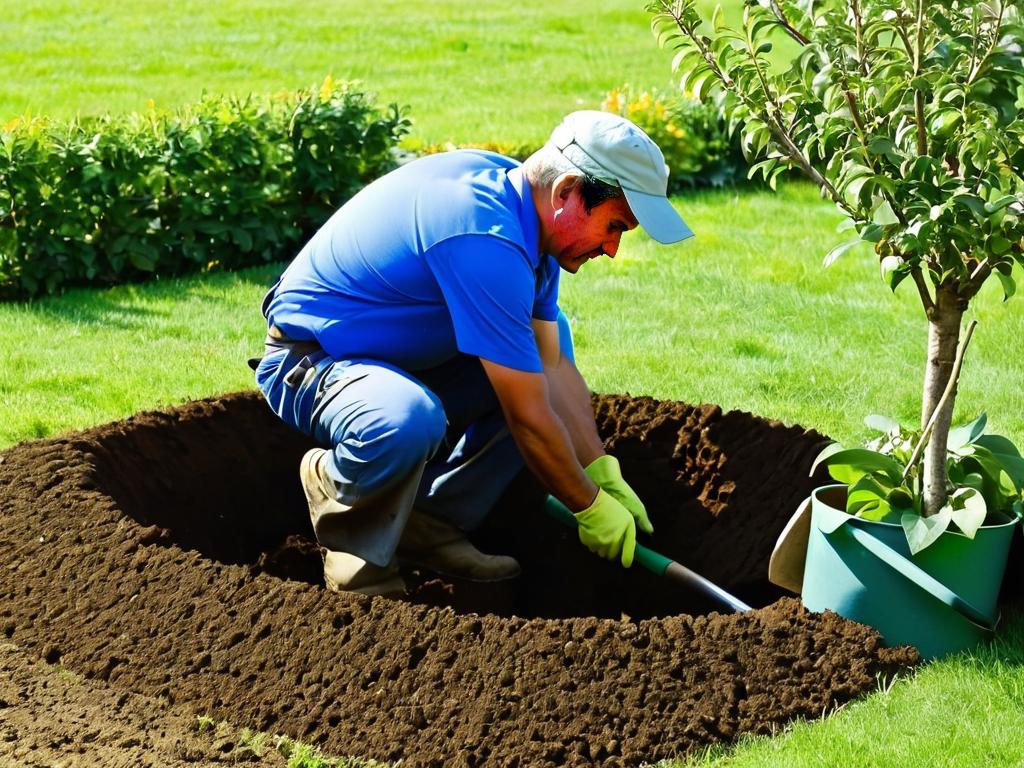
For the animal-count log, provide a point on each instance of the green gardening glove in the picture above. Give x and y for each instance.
(607, 528)
(604, 470)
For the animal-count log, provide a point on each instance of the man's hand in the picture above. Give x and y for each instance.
(605, 471)
(607, 528)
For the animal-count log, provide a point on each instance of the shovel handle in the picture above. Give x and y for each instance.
(658, 564)
(646, 558)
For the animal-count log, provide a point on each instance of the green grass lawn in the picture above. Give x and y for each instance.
(469, 71)
(477, 71)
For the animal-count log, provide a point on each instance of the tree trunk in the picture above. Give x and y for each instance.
(943, 337)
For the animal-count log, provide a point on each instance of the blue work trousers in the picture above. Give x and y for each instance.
(382, 423)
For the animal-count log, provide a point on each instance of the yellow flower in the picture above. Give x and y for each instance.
(612, 102)
(12, 124)
(327, 88)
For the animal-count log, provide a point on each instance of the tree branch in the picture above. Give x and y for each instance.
(858, 28)
(980, 274)
(784, 23)
(922, 135)
(922, 288)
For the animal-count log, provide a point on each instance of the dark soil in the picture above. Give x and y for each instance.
(51, 717)
(170, 556)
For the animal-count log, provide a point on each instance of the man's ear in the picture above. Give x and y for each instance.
(562, 188)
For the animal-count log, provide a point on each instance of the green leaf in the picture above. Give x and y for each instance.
(998, 245)
(872, 233)
(877, 510)
(852, 190)
(881, 423)
(900, 498)
(962, 436)
(1013, 467)
(894, 97)
(944, 122)
(717, 19)
(890, 264)
(867, 498)
(969, 510)
(924, 531)
(243, 239)
(973, 480)
(828, 450)
(998, 444)
(999, 203)
(972, 202)
(850, 464)
(1009, 286)
(839, 250)
(884, 214)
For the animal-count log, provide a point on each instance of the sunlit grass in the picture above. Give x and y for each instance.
(469, 71)
(93, 356)
(482, 71)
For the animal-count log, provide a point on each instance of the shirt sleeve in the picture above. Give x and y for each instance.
(545, 306)
(490, 290)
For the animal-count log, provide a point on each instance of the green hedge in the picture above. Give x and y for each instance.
(222, 184)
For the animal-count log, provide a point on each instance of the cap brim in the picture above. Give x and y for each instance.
(657, 216)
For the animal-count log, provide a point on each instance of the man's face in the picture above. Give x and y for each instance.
(578, 235)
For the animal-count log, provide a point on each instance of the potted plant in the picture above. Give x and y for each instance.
(907, 115)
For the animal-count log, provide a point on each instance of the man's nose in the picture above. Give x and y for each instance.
(610, 247)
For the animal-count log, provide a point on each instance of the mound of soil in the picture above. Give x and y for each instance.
(170, 555)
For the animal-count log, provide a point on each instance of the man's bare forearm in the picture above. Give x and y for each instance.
(570, 399)
(543, 439)
(548, 451)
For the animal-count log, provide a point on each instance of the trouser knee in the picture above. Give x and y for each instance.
(380, 446)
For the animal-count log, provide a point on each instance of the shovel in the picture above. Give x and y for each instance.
(658, 564)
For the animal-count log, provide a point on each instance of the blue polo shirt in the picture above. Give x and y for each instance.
(436, 258)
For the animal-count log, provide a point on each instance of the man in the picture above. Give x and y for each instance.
(417, 337)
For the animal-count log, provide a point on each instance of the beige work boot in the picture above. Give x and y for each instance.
(315, 484)
(438, 546)
(347, 573)
(343, 572)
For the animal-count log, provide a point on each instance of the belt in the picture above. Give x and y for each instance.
(277, 340)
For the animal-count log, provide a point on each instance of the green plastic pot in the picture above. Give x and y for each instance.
(941, 600)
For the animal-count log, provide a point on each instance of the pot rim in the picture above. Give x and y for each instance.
(1008, 520)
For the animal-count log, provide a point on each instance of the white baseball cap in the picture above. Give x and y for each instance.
(611, 148)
